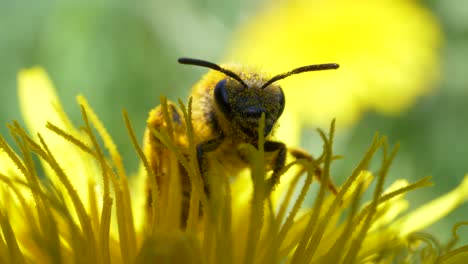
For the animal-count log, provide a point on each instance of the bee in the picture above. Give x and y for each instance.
(228, 103)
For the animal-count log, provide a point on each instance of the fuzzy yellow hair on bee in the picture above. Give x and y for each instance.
(227, 105)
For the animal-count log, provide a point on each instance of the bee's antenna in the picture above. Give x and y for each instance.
(315, 67)
(213, 66)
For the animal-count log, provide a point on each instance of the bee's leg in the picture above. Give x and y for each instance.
(302, 154)
(279, 161)
(202, 148)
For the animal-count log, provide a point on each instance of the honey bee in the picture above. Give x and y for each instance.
(228, 103)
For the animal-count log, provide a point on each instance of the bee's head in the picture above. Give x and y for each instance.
(243, 105)
(243, 101)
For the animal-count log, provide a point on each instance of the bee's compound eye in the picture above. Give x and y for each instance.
(281, 102)
(221, 97)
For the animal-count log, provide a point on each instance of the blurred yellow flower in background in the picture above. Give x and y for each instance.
(87, 212)
(387, 51)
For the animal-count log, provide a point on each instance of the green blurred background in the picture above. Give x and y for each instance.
(122, 54)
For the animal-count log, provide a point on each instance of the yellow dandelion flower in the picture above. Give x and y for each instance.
(387, 51)
(48, 217)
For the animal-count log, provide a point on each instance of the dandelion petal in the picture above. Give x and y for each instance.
(434, 210)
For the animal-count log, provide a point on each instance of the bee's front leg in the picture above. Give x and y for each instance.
(202, 148)
(278, 162)
(302, 154)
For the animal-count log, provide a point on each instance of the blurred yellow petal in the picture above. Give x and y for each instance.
(289, 130)
(393, 207)
(387, 51)
(38, 100)
(39, 105)
(433, 211)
